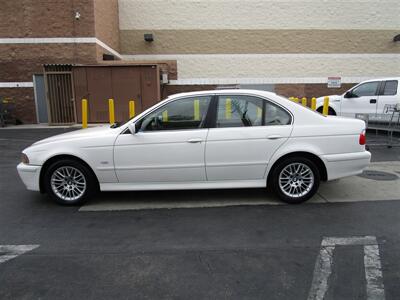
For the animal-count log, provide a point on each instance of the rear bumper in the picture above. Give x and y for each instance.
(346, 164)
(30, 175)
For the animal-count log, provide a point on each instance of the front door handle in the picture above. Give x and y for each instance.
(372, 101)
(194, 140)
(274, 137)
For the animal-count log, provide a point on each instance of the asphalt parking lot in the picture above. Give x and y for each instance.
(226, 244)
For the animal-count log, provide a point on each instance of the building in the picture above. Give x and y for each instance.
(290, 47)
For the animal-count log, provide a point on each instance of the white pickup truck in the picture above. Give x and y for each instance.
(375, 96)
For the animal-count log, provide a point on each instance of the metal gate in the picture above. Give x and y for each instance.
(59, 94)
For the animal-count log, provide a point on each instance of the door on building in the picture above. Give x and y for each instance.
(40, 98)
(59, 94)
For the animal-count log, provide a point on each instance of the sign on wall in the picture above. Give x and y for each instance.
(334, 82)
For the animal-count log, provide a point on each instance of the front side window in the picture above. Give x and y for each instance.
(187, 113)
(239, 111)
(390, 88)
(365, 89)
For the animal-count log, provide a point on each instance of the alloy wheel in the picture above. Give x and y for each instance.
(68, 183)
(296, 180)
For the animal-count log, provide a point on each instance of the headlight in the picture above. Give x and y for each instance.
(24, 158)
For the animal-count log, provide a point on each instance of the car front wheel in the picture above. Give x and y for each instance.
(69, 182)
(295, 179)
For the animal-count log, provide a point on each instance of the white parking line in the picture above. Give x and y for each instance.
(372, 264)
(373, 273)
(322, 271)
(12, 251)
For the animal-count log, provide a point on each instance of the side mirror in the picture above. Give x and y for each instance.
(133, 128)
(349, 94)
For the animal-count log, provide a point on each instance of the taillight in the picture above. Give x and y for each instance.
(362, 139)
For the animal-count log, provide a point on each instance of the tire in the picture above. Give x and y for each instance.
(69, 182)
(289, 186)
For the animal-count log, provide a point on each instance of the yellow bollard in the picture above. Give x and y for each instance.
(196, 110)
(111, 110)
(84, 113)
(304, 101)
(228, 108)
(296, 100)
(131, 109)
(313, 103)
(165, 116)
(291, 98)
(325, 109)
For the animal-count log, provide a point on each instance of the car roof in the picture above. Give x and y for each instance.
(381, 79)
(224, 92)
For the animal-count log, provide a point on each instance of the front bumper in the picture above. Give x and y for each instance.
(30, 176)
(346, 164)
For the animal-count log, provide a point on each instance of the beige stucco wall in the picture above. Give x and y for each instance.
(259, 14)
(217, 41)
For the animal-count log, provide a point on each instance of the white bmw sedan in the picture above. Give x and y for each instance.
(201, 140)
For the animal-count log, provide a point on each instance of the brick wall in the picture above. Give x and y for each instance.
(309, 90)
(107, 22)
(24, 100)
(46, 18)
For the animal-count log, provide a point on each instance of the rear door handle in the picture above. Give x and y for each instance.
(274, 137)
(372, 101)
(194, 140)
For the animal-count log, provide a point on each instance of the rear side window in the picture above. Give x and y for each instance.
(239, 111)
(243, 111)
(390, 88)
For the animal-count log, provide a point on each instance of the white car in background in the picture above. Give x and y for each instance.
(201, 140)
(376, 96)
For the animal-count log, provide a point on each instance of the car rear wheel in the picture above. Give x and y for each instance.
(69, 182)
(295, 179)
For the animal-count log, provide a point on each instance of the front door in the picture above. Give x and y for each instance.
(363, 99)
(248, 130)
(169, 147)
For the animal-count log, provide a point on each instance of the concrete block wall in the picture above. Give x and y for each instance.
(265, 42)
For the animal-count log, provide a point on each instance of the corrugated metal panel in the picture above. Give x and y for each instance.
(121, 83)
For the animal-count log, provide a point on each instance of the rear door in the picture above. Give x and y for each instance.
(363, 100)
(246, 133)
(388, 96)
